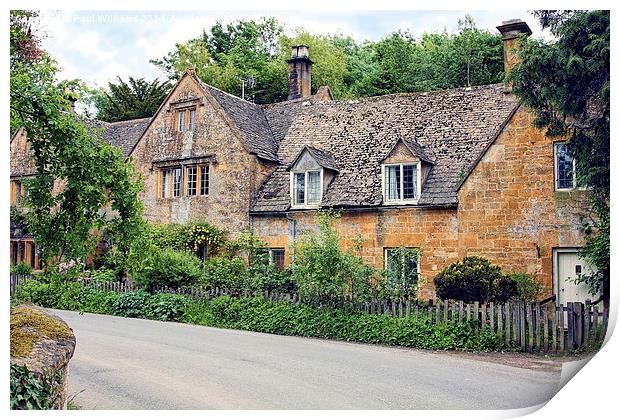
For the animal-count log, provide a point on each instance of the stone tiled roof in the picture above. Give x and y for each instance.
(449, 128)
(250, 120)
(125, 134)
(280, 115)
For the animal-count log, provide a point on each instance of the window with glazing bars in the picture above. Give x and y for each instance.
(300, 188)
(204, 180)
(564, 167)
(400, 183)
(191, 180)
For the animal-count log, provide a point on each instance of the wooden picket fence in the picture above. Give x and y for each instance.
(533, 327)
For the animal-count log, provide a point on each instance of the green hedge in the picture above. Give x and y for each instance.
(256, 314)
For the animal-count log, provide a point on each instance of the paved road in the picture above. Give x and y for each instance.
(124, 363)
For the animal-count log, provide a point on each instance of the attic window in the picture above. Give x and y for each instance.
(306, 188)
(186, 119)
(401, 183)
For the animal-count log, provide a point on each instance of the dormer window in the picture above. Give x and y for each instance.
(307, 188)
(186, 119)
(401, 183)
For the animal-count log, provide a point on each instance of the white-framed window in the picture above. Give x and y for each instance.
(307, 188)
(564, 167)
(401, 182)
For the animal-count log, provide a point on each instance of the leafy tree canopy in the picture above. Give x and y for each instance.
(397, 63)
(82, 184)
(566, 83)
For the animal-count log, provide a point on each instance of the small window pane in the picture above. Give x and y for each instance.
(181, 120)
(192, 119)
(276, 257)
(191, 180)
(564, 165)
(204, 180)
(166, 183)
(314, 187)
(299, 188)
(392, 182)
(410, 181)
(177, 182)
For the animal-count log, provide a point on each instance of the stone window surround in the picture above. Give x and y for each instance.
(418, 175)
(184, 105)
(183, 164)
(305, 204)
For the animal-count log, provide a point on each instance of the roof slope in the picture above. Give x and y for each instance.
(125, 134)
(450, 128)
(250, 120)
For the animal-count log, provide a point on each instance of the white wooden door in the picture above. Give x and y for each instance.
(568, 266)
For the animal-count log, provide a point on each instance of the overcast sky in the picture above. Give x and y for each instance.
(97, 46)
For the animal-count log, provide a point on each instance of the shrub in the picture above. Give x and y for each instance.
(165, 307)
(528, 288)
(21, 269)
(256, 314)
(103, 275)
(130, 304)
(324, 272)
(474, 279)
(170, 268)
(227, 273)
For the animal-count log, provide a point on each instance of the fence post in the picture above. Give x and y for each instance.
(437, 311)
(561, 328)
(545, 331)
(500, 323)
(476, 315)
(460, 310)
(492, 316)
(586, 321)
(595, 324)
(467, 312)
(408, 308)
(578, 308)
(529, 324)
(445, 311)
(570, 313)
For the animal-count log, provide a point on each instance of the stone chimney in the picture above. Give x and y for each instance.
(510, 30)
(299, 72)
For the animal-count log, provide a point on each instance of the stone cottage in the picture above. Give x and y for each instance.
(449, 173)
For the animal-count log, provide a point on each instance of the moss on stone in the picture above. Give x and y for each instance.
(30, 325)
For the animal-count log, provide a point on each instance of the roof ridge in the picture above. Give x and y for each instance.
(127, 121)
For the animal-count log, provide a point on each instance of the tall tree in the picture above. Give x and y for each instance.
(136, 98)
(566, 83)
(78, 175)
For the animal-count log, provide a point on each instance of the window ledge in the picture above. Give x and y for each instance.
(305, 206)
(399, 202)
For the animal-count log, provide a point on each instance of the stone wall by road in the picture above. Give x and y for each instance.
(44, 344)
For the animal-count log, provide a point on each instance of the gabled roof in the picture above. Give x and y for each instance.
(324, 159)
(251, 122)
(414, 148)
(450, 128)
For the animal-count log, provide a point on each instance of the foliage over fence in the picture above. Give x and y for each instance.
(513, 325)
